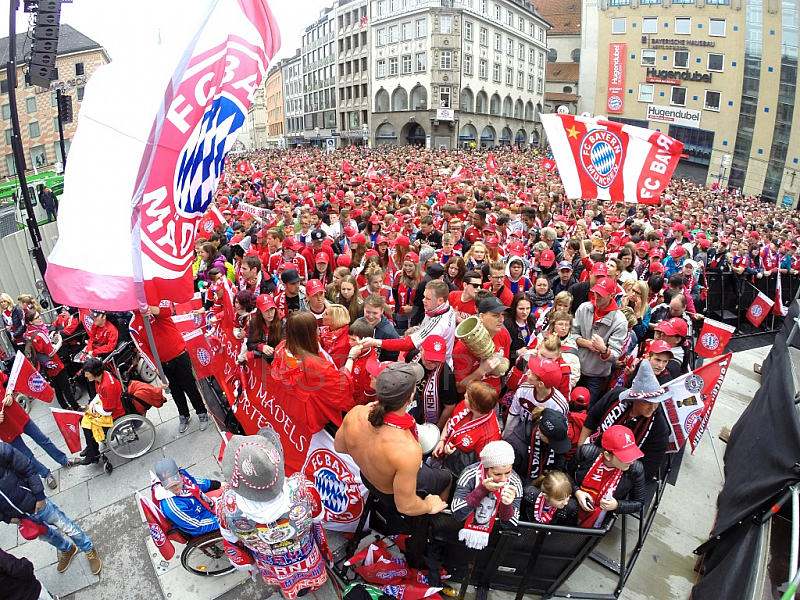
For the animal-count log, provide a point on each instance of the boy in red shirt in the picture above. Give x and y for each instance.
(363, 392)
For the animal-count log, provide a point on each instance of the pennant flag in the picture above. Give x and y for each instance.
(759, 309)
(158, 525)
(226, 437)
(212, 219)
(346, 166)
(24, 379)
(69, 424)
(169, 142)
(548, 164)
(611, 161)
(779, 309)
(86, 319)
(491, 164)
(459, 175)
(200, 352)
(713, 338)
(243, 167)
(372, 174)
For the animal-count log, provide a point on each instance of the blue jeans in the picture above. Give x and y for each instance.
(595, 385)
(33, 432)
(52, 517)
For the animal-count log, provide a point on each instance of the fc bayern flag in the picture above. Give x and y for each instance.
(372, 173)
(86, 319)
(346, 166)
(158, 525)
(200, 352)
(548, 164)
(759, 309)
(459, 175)
(713, 338)
(491, 164)
(606, 160)
(24, 379)
(212, 219)
(169, 145)
(69, 424)
(243, 167)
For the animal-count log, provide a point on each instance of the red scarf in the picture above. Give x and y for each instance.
(599, 313)
(476, 535)
(328, 338)
(438, 311)
(600, 482)
(405, 421)
(543, 512)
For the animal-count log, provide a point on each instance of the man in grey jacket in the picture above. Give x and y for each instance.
(600, 330)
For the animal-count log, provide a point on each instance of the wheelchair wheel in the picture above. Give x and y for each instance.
(107, 466)
(131, 436)
(144, 371)
(205, 556)
(26, 402)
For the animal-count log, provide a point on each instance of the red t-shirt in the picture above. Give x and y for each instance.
(168, 339)
(465, 308)
(110, 392)
(464, 362)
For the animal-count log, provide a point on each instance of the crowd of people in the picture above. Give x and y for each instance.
(366, 263)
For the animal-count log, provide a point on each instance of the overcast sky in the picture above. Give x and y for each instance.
(122, 26)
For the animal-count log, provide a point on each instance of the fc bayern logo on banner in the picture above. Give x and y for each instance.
(338, 488)
(601, 156)
(756, 310)
(36, 383)
(203, 357)
(159, 539)
(614, 103)
(710, 341)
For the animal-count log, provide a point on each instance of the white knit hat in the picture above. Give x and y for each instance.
(497, 454)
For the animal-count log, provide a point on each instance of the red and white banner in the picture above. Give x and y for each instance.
(693, 399)
(372, 173)
(759, 309)
(200, 352)
(713, 338)
(243, 167)
(346, 166)
(158, 525)
(491, 164)
(602, 159)
(459, 175)
(212, 219)
(779, 309)
(69, 424)
(24, 379)
(169, 147)
(548, 164)
(616, 78)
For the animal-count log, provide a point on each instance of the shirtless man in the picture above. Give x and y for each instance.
(380, 438)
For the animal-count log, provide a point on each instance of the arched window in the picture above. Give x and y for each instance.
(400, 99)
(382, 101)
(507, 106)
(419, 98)
(552, 55)
(482, 103)
(529, 111)
(576, 55)
(518, 109)
(494, 105)
(466, 100)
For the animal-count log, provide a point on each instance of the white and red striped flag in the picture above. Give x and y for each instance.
(169, 145)
(602, 159)
(459, 175)
(779, 309)
(372, 173)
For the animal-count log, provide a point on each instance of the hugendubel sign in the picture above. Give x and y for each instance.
(616, 78)
(681, 75)
(671, 114)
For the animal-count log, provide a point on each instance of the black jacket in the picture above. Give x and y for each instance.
(17, 579)
(20, 486)
(629, 492)
(580, 293)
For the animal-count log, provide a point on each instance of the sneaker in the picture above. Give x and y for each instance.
(65, 558)
(94, 561)
(203, 418)
(183, 423)
(51, 482)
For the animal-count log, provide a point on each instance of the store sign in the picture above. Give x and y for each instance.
(662, 80)
(445, 114)
(681, 76)
(674, 115)
(616, 78)
(675, 43)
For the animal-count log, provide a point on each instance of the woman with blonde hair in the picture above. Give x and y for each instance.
(476, 256)
(349, 297)
(6, 307)
(335, 285)
(333, 337)
(636, 299)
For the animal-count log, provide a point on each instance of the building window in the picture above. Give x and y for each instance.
(618, 26)
(576, 55)
(532, 55)
(422, 27)
(650, 25)
(406, 64)
(79, 69)
(483, 36)
(381, 37)
(498, 42)
(540, 33)
(683, 26)
(482, 69)
(509, 18)
(521, 24)
(467, 64)
(716, 62)
(53, 99)
(509, 76)
(521, 52)
(520, 79)
(716, 27)
(446, 24)
(552, 55)
(497, 14)
(444, 97)
(422, 62)
(646, 91)
(531, 79)
(8, 133)
(30, 105)
(394, 32)
(539, 85)
(4, 86)
(34, 129)
(446, 60)
(680, 59)
(496, 73)
(468, 31)
(712, 100)
(392, 67)
(540, 62)
(677, 96)
(510, 47)
(648, 58)
(406, 31)
(483, 6)
(382, 67)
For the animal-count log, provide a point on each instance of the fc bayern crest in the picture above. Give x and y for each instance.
(203, 357)
(756, 310)
(614, 103)
(36, 383)
(208, 226)
(159, 539)
(338, 488)
(601, 156)
(710, 340)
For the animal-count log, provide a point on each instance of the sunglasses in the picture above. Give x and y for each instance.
(472, 283)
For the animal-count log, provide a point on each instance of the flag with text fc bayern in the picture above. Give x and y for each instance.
(608, 160)
(168, 149)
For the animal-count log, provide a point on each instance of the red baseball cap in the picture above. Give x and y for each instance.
(381, 239)
(411, 257)
(656, 268)
(358, 239)
(350, 231)
(314, 286)
(600, 269)
(492, 242)
(679, 227)
(516, 249)
(548, 371)
(376, 367)
(435, 348)
(265, 302)
(704, 243)
(343, 261)
(291, 243)
(547, 259)
(580, 396)
(643, 246)
(605, 286)
(619, 440)
(656, 252)
(322, 257)
(675, 326)
(401, 241)
(659, 346)
(677, 251)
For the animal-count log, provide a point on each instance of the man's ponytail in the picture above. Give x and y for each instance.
(377, 414)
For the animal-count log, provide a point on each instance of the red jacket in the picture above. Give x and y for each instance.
(465, 363)
(42, 344)
(102, 340)
(168, 339)
(506, 297)
(110, 391)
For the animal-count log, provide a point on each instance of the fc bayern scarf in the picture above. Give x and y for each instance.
(461, 424)
(405, 421)
(476, 535)
(542, 511)
(600, 482)
(430, 393)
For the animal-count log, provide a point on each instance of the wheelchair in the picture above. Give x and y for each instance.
(205, 555)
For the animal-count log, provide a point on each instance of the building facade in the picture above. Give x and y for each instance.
(257, 119)
(273, 98)
(457, 73)
(78, 57)
(292, 99)
(721, 77)
(318, 53)
(563, 54)
(353, 71)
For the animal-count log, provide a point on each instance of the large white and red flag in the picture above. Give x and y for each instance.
(602, 159)
(491, 164)
(459, 175)
(166, 147)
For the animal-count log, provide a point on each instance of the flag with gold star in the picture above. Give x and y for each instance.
(607, 160)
